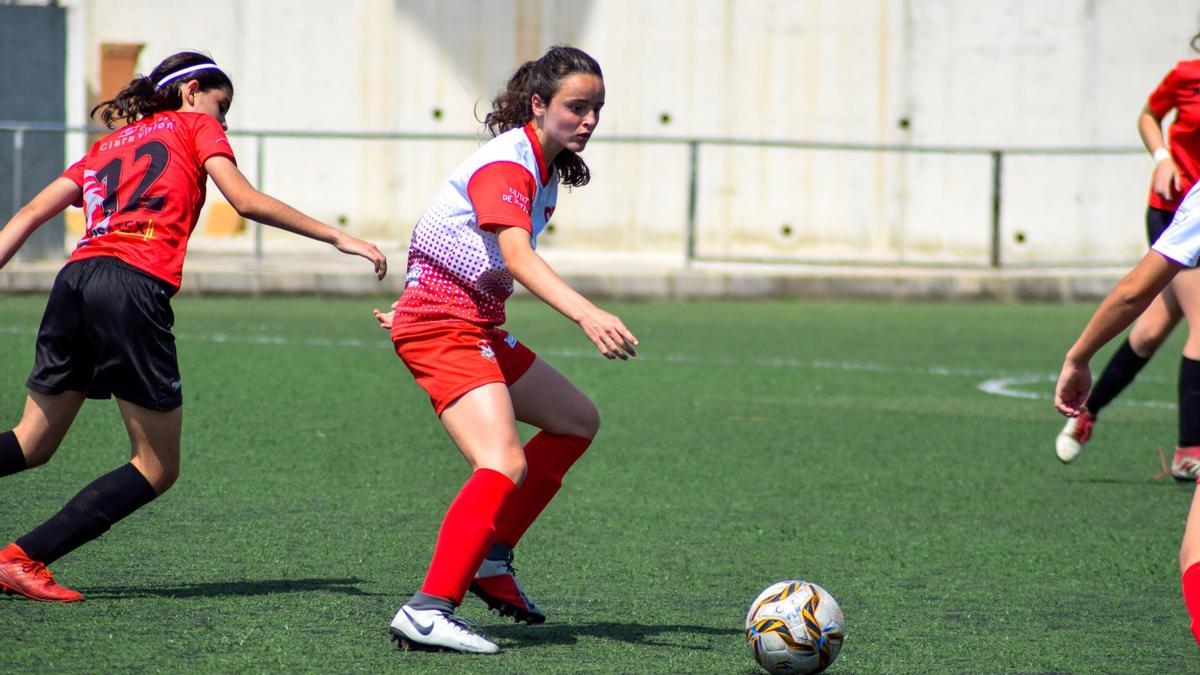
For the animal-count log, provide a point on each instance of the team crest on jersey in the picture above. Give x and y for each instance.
(485, 348)
(510, 341)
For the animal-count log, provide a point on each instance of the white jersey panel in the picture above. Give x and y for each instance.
(455, 269)
(1181, 240)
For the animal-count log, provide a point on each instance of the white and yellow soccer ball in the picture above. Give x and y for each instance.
(795, 627)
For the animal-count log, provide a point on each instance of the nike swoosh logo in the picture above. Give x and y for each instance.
(422, 629)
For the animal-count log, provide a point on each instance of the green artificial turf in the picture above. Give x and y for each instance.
(845, 443)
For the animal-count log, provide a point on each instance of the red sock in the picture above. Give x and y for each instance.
(548, 457)
(466, 534)
(1191, 596)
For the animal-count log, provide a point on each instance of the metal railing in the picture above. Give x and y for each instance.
(996, 154)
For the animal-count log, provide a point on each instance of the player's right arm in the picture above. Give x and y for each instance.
(1166, 180)
(55, 197)
(265, 209)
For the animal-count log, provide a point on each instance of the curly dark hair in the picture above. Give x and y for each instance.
(142, 97)
(513, 108)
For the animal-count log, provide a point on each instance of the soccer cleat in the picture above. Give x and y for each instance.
(433, 630)
(1075, 433)
(496, 584)
(1186, 465)
(21, 575)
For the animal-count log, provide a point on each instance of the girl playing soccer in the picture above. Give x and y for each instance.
(1177, 248)
(475, 237)
(1175, 171)
(107, 326)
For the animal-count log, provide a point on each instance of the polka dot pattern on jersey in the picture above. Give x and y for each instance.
(455, 268)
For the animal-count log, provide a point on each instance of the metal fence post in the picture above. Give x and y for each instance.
(18, 164)
(693, 186)
(259, 162)
(997, 188)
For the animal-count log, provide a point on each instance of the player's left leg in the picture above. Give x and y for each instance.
(568, 420)
(43, 426)
(154, 441)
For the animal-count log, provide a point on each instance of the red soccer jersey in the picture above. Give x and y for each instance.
(143, 186)
(1180, 90)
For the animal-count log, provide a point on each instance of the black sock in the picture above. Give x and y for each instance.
(499, 551)
(89, 514)
(421, 600)
(1189, 402)
(1120, 371)
(12, 460)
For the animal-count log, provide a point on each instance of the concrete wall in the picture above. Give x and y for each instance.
(944, 72)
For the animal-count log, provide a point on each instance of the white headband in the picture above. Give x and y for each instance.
(185, 71)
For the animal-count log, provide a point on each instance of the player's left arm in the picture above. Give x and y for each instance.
(1127, 300)
(263, 208)
(605, 330)
(58, 195)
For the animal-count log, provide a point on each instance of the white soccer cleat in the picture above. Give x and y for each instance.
(435, 630)
(1075, 433)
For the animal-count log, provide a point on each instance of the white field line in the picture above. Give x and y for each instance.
(997, 382)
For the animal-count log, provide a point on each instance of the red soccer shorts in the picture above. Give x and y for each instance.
(450, 358)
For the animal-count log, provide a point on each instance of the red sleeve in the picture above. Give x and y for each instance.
(74, 173)
(209, 140)
(1166, 96)
(502, 194)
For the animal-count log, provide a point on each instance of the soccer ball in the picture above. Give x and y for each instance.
(795, 627)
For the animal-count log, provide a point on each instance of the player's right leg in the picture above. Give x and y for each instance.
(482, 425)
(1149, 332)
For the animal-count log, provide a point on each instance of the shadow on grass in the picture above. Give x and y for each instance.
(1148, 480)
(634, 633)
(229, 588)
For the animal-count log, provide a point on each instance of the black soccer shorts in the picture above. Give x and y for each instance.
(1157, 220)
(107, 332)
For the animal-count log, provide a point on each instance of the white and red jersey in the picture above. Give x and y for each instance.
(1181, 240)
(455, 270)
(143, 186)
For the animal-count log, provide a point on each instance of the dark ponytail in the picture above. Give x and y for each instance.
(513, 108)
(142, 97)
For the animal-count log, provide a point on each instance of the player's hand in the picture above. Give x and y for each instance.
(1071, 392)
(354, 246)
(385, 318)
(1166, 180)
(609, 335)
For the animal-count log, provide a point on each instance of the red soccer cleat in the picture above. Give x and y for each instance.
(30, 578)
(496, 584)
(1186, 465)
